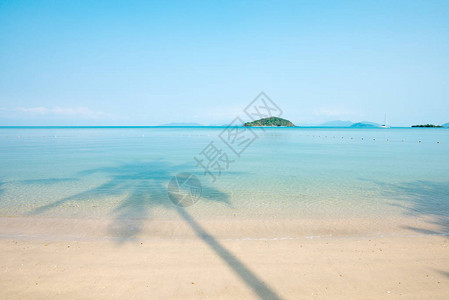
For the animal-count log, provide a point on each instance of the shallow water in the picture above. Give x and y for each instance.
(286, 173)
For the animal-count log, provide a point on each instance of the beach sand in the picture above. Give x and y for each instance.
(53, 258)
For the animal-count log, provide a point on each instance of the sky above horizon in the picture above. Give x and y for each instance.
(157, 62)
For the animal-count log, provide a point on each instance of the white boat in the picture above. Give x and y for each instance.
(385, 123)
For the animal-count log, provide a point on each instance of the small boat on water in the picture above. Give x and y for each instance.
(385, 123)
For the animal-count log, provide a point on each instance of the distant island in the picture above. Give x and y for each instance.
(365, 124)
(428, 125)
(270, 122)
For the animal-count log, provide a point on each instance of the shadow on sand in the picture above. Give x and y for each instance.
(251, 280)
(422, 199)
(144, 186)
(47, 180)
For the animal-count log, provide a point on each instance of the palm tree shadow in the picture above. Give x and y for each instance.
(144, 184)
(422, 199)
(261, 289)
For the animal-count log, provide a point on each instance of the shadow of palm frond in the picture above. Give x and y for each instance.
(143, 186)
(47, 180)
(39, 181)
(420, 199)
(444, 273)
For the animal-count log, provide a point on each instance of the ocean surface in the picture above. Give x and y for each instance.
(263, 174)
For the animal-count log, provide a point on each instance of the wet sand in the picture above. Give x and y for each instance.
(186, 259)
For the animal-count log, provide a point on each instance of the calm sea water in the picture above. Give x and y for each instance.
(285, 172)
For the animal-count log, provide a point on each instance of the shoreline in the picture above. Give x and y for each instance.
(129, 229)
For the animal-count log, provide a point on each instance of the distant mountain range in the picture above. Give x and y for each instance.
(340, 123)
(337, 123)
(446, 125)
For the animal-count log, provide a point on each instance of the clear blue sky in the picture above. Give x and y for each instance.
(149, 63)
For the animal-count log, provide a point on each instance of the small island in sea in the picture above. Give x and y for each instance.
(428, 125)
(270, 122)
(365, 124)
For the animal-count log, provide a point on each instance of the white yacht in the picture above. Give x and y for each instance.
(385, 123)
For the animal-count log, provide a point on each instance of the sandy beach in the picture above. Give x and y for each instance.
(224, 150)
(198, 261)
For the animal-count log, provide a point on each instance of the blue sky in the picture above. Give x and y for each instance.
(149, 63)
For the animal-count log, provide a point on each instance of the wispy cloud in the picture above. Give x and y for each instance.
(32, 110)
(57, 111)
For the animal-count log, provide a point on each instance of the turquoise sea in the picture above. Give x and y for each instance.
(285, 173)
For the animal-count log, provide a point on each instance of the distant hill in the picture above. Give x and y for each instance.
(270, 122)
(446, 125)
(181, 124)
(365, 124)
(337, 123)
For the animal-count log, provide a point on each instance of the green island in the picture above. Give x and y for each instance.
(428, 125)
(270, 122)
